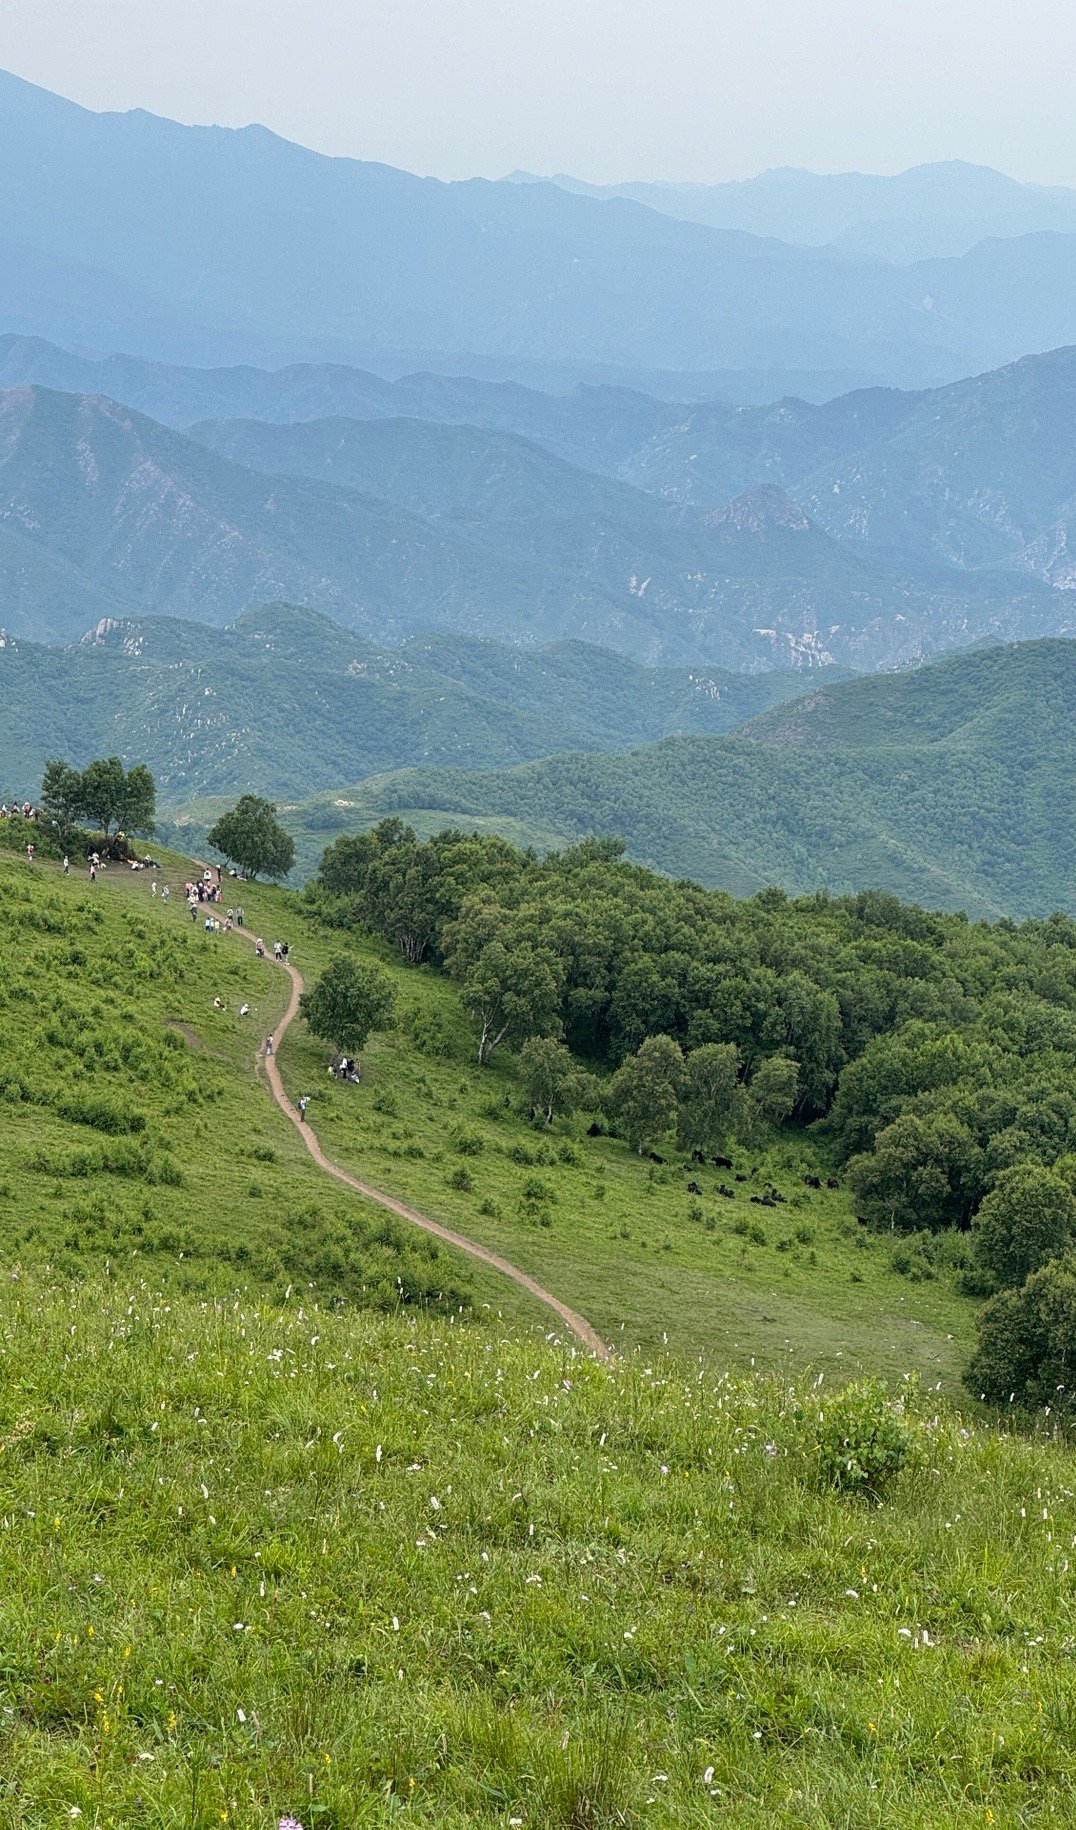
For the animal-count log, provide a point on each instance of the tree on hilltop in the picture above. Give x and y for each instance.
(252, 838)
(104, 793)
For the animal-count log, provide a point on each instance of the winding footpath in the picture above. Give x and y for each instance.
(575, 1323)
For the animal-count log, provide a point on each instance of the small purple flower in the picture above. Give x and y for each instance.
(289, 1823)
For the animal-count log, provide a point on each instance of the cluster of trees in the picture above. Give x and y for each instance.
(935, 1056)
(104, 795)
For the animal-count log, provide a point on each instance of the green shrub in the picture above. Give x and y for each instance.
(468, 1143)
(863, 1439)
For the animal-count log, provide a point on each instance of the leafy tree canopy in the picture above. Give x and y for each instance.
(347, 1003)
(1028, 1217)
(251, 837)
(105, 794)
(1027, 1342)
(642, 1098)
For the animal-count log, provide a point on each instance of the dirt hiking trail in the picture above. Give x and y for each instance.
(575, 1323)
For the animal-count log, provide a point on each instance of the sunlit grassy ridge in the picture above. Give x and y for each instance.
(260, 1560)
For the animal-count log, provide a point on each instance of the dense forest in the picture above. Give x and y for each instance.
(934, 1057)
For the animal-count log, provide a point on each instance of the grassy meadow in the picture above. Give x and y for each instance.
(266, 1561)
(303, 1517)
(621, 1239)
(135, 1134)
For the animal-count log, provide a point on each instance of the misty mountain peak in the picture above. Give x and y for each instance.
(759, 510)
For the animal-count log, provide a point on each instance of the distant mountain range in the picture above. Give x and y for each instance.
(286, 702)
(212, 245)
(953, 785)
(104, 512)
(980, 474)
(922, 214)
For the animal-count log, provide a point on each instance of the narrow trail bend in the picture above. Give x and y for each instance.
(577, 1324)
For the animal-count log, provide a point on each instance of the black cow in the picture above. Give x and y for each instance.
(693, 1188)
(813, 1181)
(721, 1162)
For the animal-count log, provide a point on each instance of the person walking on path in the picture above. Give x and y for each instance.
(303, 1103)
(67, 864)
(93, 870)
(268, 1045)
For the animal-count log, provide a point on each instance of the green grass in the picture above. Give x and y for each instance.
(620, 1239)
(134, 1129)
(266, 1548)
(257, 1560)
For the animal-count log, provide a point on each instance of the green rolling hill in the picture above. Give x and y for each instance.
(952, 784)
(287, 702)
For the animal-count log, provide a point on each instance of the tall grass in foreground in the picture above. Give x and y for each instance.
(268, 1561)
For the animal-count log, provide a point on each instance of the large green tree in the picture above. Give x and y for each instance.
(251, 837)
(347, 1003)
(771, 1097)
(551, 1079)
(61, 795)
(112, 796)
(643, 1093)
(1026, 1352)
(1028, 1217)
(922, 1172)
(710, 1097)
(104, 793)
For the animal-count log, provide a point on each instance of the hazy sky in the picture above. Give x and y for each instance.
(606, 89)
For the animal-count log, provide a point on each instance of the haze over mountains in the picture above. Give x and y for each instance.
(927, 212)
(865, 532)
(550, 607)
(208, 244)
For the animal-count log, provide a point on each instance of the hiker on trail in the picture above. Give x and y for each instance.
(284, 949)
(240, 917)
(303, 1103)
(153, 886)
(268, 1046)
(93, 871)
(30, 851)
(67, 864)
(259, 948)
(164, 892)
(276, 950)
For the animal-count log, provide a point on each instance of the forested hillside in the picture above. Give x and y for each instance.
(286, 701)
(951, 783)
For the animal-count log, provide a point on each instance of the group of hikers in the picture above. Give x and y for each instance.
(206, 891)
